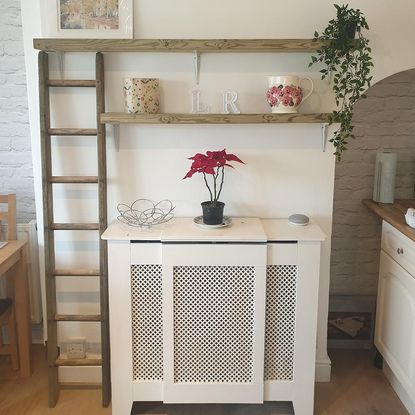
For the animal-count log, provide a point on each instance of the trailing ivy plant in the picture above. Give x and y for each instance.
(348, 62)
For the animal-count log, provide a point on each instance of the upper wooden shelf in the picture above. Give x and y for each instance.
(176, 45)
(124, 118)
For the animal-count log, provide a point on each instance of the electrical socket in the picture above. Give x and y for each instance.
(76, 348)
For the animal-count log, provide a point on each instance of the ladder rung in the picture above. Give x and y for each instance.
(79, 385)
(75, 226)
(78, 362)
(80, 272)
(77, 317)
(74, 179)
(72, 82)
(72, 131)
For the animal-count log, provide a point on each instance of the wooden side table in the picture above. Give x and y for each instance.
(13, 258)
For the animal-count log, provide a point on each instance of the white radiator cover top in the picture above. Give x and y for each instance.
(241, 229)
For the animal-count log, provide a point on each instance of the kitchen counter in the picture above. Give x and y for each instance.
(394, 214)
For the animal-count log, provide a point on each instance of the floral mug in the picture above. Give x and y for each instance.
(142, 95)
(285, 93)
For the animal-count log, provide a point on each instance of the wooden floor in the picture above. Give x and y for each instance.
(357, 388)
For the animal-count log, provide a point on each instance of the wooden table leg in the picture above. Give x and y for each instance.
(22, 309)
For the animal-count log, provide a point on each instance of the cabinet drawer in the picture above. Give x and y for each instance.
(145, 253)
(282, 254)
(214, 254)
(399, 247)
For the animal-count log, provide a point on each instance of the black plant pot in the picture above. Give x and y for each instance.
(212, 213)
(347, 30)
(351, 28)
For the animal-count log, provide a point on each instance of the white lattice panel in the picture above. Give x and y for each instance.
(213, 323)
(281, 296)
(147, 322)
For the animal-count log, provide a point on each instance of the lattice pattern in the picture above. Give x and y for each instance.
(213, 323)
(280, 322)
(147, 320)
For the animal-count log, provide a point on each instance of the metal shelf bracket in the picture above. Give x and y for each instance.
(196, 65)
(61, 63)
(116, 136)
(324, 136)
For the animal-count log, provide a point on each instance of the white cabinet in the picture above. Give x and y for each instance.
(223, 316)
(395, 319)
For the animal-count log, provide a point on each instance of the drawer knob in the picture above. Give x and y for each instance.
(399, 251)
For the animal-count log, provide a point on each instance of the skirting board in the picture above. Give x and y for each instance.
(37, 334)
(399, 390)
(93, 374)
(323, 370)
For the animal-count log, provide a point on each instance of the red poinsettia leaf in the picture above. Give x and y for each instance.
(197, 164)
(197, 156)
(208, 170)
(210, 163)
(228, 165)
(190, 173)
(232, 157)
(217, 156)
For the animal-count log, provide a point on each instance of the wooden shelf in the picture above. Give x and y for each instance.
(176, 45)
(124, 118)
(78, 362)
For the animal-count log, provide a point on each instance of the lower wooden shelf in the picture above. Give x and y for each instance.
(78, 362)
(171, 118)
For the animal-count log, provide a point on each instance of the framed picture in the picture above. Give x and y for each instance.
(91, 19)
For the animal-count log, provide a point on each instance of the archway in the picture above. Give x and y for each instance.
(385, 120)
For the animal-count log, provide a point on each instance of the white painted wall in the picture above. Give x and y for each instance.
(286, 171)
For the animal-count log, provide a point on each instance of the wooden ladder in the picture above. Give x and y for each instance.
(48, 179)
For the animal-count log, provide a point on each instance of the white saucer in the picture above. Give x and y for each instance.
(198, 221)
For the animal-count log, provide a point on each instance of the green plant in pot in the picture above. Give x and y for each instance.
(212, 166)
(348, 62)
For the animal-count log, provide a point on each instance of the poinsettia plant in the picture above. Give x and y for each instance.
(213, 164)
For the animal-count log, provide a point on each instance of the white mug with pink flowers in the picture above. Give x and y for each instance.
(285, 93)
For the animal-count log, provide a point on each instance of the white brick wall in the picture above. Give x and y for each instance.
(16, 174)
(385, 120)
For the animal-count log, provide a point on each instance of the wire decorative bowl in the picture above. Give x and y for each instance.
(145, 213)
